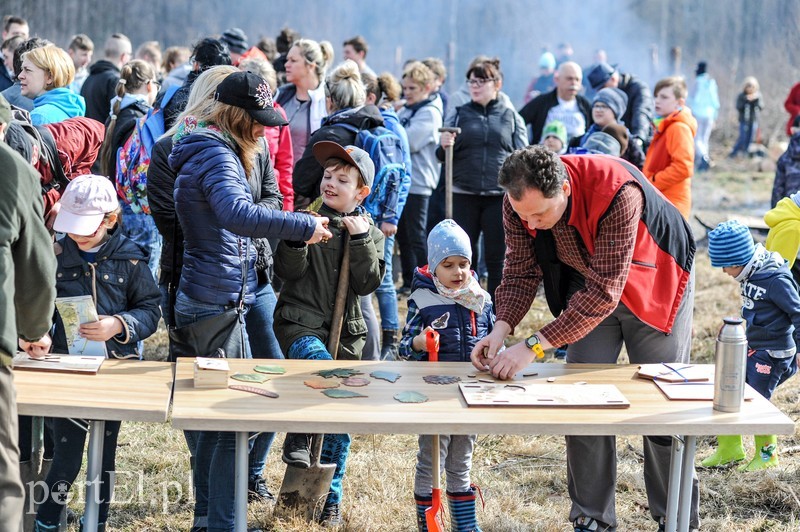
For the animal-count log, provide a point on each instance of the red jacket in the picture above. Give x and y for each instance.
(279, 140)
(669, 163)
(792, 106)
(664, 251)
(78, 143)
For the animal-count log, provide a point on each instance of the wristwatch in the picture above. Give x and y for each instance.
(533, 343)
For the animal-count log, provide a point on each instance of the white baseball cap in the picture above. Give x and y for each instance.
(85, 202)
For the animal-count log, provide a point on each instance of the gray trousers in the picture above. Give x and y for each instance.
(372, 347)
(12, 496)
(592, 460)
(455, 454)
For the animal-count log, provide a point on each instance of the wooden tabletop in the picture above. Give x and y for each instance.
(302, 409)
(122, 390)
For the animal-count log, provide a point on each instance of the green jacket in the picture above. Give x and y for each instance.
(311, 274)
(27, 262)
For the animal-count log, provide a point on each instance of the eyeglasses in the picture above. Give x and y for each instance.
(156, 83)
(478, 82)
(599, 105)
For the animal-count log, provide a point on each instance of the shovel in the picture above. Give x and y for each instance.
(448, 173)
(434, 524)
(303, 491)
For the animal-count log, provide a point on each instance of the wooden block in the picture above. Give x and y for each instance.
(211, 373)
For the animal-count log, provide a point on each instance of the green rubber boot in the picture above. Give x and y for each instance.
(766, 454)
(729, 449)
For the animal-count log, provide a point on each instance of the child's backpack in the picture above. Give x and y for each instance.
(385, 150)
(133, 158)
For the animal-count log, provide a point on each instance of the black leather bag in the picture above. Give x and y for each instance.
(220, 336)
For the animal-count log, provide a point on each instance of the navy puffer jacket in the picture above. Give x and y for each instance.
(217, 214)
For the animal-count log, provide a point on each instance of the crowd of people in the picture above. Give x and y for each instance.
(187, 183)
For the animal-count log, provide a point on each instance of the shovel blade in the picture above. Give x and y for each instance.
(432, 520)
(304, 491)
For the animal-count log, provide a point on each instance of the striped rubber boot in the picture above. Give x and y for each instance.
(423, 503)
(462, 511)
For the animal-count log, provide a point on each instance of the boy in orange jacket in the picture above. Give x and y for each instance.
(669, 163)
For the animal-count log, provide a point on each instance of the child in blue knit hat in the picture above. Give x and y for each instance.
(771, 307)
(446, 297)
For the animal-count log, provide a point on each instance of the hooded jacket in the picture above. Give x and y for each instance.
(219, 218)
(461, 327)
(121, 285)
(787, 174)
(311, 277)
(99, 88)
(279, 140)
(422, 121)
(669, 163)
(770, 302)
(57, 105)
(784, 228)
(307, 171)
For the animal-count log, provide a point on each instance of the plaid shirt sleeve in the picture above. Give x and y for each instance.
(521, 273)
(605, 272)
(414, 326)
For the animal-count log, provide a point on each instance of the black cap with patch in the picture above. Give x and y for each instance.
(250, 92)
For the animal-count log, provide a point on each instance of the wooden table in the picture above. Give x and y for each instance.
(123, 390)
(302, 409)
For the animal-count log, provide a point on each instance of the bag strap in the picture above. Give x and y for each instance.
(245, 266)
(49, 146)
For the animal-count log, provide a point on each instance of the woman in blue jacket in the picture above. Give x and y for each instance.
(490, 132)
(45, 77)
(213, 154)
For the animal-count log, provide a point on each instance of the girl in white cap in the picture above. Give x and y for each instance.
(95, 258)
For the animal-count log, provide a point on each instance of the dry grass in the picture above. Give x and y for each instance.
(523, 478)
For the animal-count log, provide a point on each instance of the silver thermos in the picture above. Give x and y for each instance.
(730, 369)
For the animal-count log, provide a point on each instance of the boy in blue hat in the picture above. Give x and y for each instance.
(771, 307)
(446, 297)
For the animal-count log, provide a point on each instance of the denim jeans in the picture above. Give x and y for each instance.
(387, 295)
(214, 452)
(747, 135)
(142, 229)
(335, 447)
(263, 344)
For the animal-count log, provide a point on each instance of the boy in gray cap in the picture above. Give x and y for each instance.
(446, 297)
(304, 313)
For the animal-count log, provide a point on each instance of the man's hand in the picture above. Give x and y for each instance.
(320, 231)
(38, 349)
(356, 225)
(488, 347)
(388, 229)
(510, 361)
(101, 330)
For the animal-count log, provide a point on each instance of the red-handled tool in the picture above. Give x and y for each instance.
(434, 524)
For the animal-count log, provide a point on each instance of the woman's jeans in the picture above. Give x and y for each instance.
(335, 447)
(142, 229)
(747, 134)
(263, 344)
(387, 304)
(213, 452)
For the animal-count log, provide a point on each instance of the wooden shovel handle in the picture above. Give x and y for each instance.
(341, 298)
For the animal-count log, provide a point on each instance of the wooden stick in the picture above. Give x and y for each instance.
(341, 298)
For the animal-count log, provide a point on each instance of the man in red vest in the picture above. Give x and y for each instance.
(615, 259)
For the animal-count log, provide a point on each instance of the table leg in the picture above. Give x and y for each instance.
(94, 472)
(685, 507)
(240, 497)
(673, 493)
(37, 437)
